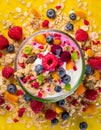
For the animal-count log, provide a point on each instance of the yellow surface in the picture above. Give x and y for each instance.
(95, 7)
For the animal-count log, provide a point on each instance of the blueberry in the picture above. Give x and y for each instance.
(61, 103)
(51, 13)
(66, 79)
(11, 48)
(49, 39)
(69, 27)
(83, 125)
(11, 88)
(38, 69)
(27, 97)
(72, 16)
(58, 89)
(89, 70)
(65, 115)
(61, 72)
(54, 121)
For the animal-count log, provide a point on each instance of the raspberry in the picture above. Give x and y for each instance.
(2, 101)
(7, 72)
(95, 63)
(3, 42)
(65, 56)
(50, 114)
(15, 33)
(45, 24)
(49, 62)
(81, 35)
(91, 94)
(21, 112)
(36, 106)
(0, 54)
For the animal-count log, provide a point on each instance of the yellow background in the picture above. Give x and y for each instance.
(95, 7)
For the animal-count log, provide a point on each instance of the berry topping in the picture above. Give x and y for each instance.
(21, 112)
(35, 85)
(2, 101)
(81, 35)
(66, 79)
(95, 63)
(61, 72)
(65, 115)
(11, 48)
(86, 22)
(15, 33)
(3, 42)
(58, 89)
(11, 88)
(56, 49)
(38, 69)
(69, 27)
(89, 70)
(58, 7)
(49, 39)
(50, 62)
(91, 94)
(7, 72)
(54, 121)
(19, 92)
(65, 56)
(72, 16)
(45, 24)
(51, 13)
(61, 103)
(83, 125)
(27, 97)
(36, 106)
(50, 114)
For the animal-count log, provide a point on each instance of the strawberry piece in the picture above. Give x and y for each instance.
(81, 35)
(21, 112)
(91, 94)
(2, 101)
(3, 42)
(95, 63)
(36, 106)
(45, 24)
(50, 114)
(15, 33)
(7, 72)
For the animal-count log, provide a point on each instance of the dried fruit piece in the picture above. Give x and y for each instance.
(21, 111)
(97, 75)
(27, 49)
(89, 53)
(68, 87)
(41, 79)
(40, 39)
(45, 23)
(11, 98)
(69, 65)
(58, 109)
(90, 109)
(81, 89)
(2, 101)
(74, 55)
(80, 14)
(31, 59)
(57, 41)
(35, 13)
(55, 76)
